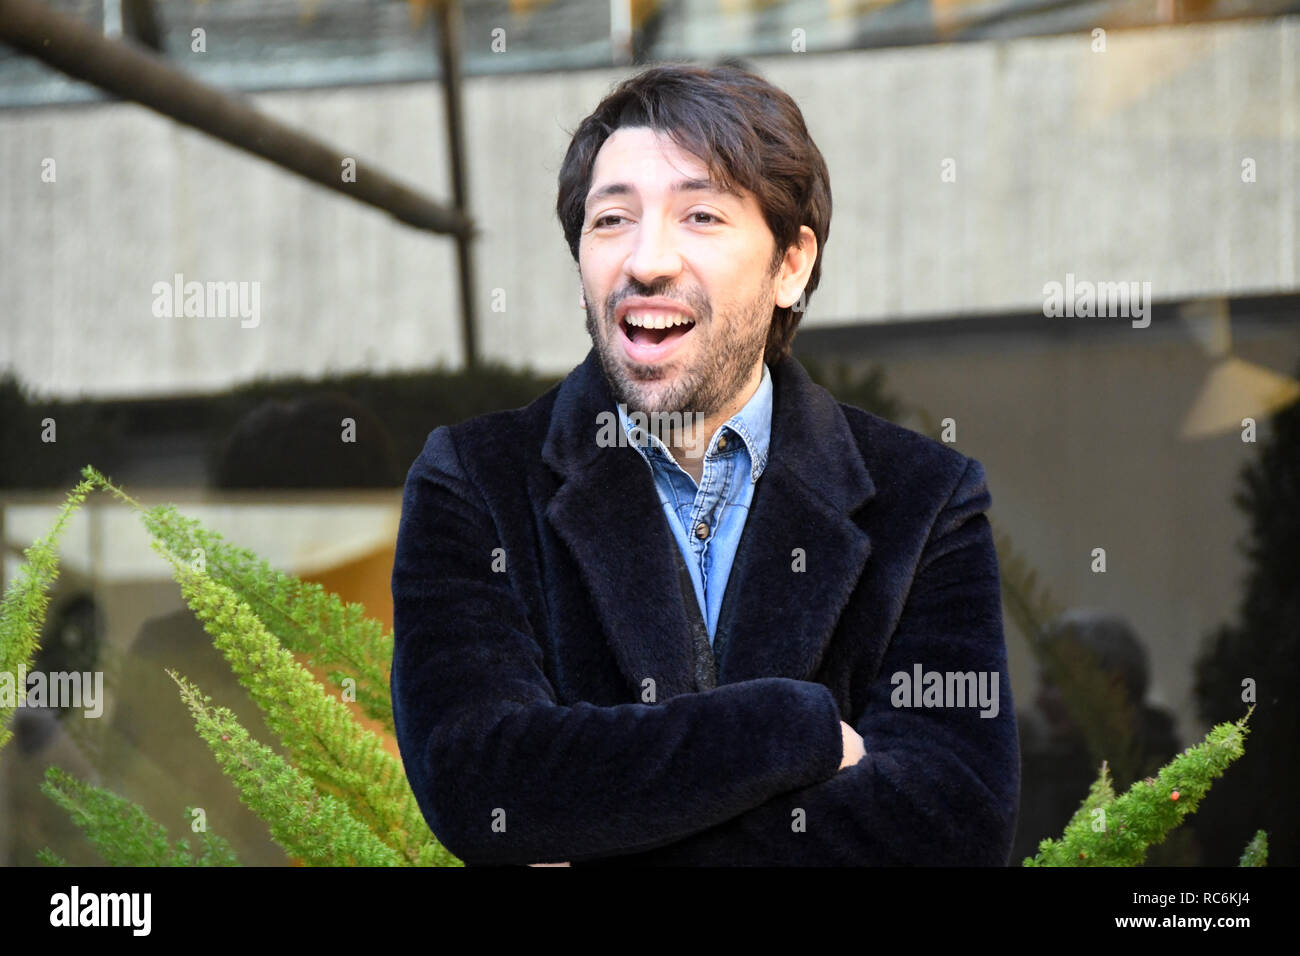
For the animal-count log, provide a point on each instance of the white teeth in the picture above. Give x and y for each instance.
(651, 320)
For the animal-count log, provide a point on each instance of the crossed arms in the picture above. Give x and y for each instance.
(506, 775)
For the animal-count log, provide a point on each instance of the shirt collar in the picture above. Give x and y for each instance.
(753, 425)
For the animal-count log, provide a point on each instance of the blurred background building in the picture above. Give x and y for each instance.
(978, 152)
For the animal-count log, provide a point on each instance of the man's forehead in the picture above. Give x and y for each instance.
(646, 144)
(644, 156)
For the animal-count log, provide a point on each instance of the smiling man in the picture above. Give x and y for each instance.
(671, 229)
(683, 648)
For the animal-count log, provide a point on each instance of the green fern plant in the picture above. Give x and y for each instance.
(1256, 852)
(1117, 831)
(318, 829)
(22, 613)
(341, 798)
(124, 834)
(302, 616)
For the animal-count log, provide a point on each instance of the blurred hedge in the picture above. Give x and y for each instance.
(286, 433)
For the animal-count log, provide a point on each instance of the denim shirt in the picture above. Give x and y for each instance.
(719, 505)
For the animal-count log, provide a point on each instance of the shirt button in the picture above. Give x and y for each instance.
(701, 531)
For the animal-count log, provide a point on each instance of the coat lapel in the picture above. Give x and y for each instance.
(801, 553)
(608, 514)
(775, 620)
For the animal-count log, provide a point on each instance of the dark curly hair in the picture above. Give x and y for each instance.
(748, 132)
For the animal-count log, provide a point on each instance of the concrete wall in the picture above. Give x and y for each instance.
(1115, 165)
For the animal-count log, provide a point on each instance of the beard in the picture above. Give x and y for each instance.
(720, 368)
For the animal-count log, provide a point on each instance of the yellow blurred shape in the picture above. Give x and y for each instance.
(1234, 390)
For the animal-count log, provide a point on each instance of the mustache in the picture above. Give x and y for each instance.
(697, 304)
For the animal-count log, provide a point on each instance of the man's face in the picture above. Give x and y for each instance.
(658, 241)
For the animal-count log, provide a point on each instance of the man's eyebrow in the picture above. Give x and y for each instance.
(681, 186)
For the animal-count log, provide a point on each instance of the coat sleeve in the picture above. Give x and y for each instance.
(939, 785)
(503, 773)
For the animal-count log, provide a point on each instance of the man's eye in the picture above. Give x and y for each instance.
(710, 215)
(604, 219)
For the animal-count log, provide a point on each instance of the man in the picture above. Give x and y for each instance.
(666, 613)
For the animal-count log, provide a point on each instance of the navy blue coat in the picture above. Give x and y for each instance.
(543, 679)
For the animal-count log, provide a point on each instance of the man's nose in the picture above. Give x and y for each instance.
(655, 254)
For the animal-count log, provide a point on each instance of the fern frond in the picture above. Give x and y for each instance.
(1149, 811)
(121, 831)
(306, 618)
(322, 736)
(316, 828)
(22, 612)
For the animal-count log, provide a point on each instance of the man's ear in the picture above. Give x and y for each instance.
(795, 269)
(582, 299)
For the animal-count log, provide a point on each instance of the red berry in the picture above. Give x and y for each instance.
(1175, 795)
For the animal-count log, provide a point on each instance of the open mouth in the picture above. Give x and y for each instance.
(649, 336)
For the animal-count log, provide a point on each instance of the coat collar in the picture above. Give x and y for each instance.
(752, 425)
(776, 619)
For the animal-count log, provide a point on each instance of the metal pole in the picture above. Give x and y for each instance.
(127, 72)
(449, 59)
(620, 31)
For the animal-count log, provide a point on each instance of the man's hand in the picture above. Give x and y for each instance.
(854, 748)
